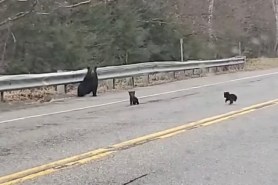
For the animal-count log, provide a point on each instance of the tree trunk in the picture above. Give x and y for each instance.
(3, 57)
(275, 10)
(126, 57)
(210, 12)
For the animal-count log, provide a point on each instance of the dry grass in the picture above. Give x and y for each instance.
(261, 64)
(31, 95)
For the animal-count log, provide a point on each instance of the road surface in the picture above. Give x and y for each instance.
(239, 148)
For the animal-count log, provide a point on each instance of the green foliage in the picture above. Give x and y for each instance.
(115, 33)
(124, 33)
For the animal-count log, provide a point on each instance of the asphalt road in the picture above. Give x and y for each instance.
(238, 151)
(242, 151)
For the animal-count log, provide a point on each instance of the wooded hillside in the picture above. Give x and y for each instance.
(42, 36)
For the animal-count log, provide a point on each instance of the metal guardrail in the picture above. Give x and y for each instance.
(27, 81)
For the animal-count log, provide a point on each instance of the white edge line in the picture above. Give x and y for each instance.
(142, 97)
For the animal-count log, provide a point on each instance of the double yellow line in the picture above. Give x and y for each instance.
(102, 152)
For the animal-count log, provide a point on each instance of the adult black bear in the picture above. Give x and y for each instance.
(132, 98)
(230, 97)
(89, 83)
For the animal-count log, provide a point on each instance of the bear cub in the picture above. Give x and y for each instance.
(230, 97)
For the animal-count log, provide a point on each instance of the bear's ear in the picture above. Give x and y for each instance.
(89, 69)
(131, 92)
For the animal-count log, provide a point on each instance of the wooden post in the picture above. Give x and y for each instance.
(2, 96)
(65, 88)
(114, 83)
(132, 81)
(146, 80)
(61, 88)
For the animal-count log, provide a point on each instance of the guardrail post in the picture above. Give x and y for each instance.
(65, 88)
(132, 81)
(172, 75)
(2, 96)
(114, 83)
(215, 69)
(225, 68)
(203, 71)
(238, 67)
(146, 80)
(195, 72)
(109, 83)
(219, 69)
(188, 73)
(210, 70)
(61, 88)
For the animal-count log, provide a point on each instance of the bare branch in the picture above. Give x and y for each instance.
(159, 21)
(5, 48)
(14, 39)
(47, 13)
(190, 34)
(77, 4)
(68, 6)
(4, 52)
(20, 14)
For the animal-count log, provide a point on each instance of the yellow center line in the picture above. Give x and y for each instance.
(103, 152)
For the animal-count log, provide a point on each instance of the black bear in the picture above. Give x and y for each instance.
(132, 98)
(230, 97)
(89, 83)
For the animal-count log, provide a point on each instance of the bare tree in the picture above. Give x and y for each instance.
(20, 14)
(34, 4)
(210, 17)
(275, 10)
